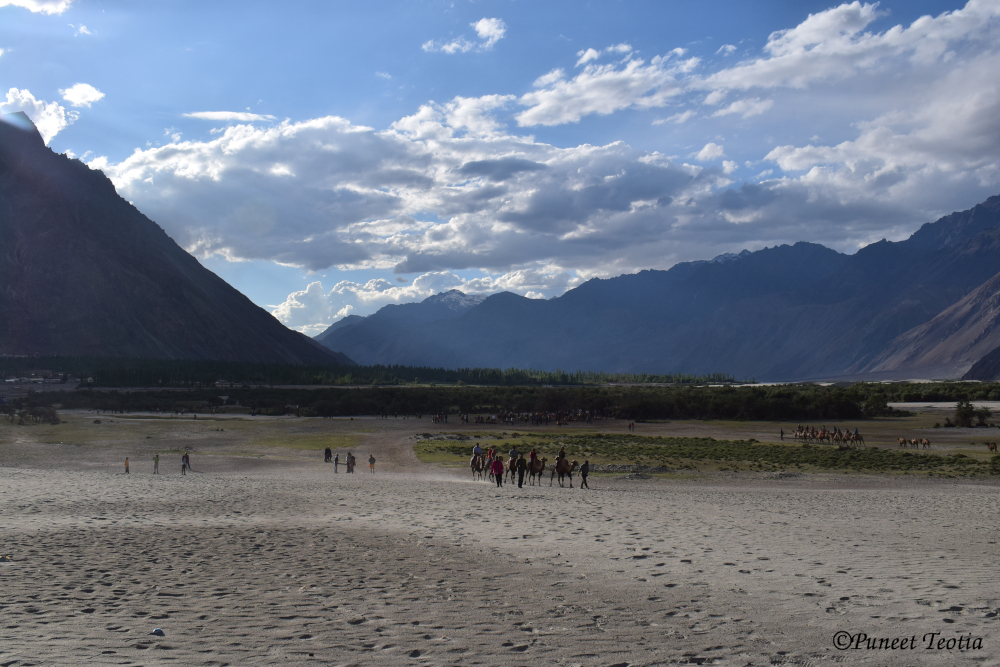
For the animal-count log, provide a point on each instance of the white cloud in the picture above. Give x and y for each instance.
(711, 151)
(746, 108)
(678, 118)
(549, 78)
(307, 311)
(587, 56)
(460, 45)
(80, 29)
(728, 167)
(725, 49)
(39, 6)
(443, 189)
(604, 89)
(81, 94)
(49, 117)
(229, 116)
(828, 47)
(490, 31)
(384, 75)
(593, 54)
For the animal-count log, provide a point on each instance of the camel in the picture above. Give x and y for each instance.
(563, 469)
(992, 446)
(902, 443)
(510, 470)
(925, 443)
(535, 469)
(477, 466)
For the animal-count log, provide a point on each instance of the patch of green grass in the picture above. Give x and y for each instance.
(310, 441)
(711, 454)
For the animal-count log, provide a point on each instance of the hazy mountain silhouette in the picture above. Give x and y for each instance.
(82, 272)
(783, 313)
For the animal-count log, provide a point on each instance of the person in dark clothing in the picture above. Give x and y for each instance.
(584, 471)
(522, 465)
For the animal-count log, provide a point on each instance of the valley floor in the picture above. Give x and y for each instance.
(263, 555)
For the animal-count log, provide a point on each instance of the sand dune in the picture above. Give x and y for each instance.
(277, 560)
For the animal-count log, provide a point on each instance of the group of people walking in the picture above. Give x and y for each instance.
(350, 461)
(492, 462)
(185, 464)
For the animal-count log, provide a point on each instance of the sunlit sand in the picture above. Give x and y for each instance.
(263, 555)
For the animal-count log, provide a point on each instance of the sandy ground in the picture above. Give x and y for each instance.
(264, 556)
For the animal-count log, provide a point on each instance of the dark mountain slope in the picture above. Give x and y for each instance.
(397, 331)
(82, 272)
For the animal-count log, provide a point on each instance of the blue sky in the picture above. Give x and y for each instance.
(330, 158)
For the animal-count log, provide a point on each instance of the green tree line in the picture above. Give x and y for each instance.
(113, 372)
(802, 403)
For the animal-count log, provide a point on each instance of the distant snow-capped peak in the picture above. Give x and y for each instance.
(729, 256)
(456, 300)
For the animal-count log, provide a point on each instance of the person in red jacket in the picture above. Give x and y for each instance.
(497, 470)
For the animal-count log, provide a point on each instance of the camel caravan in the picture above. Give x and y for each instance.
(913, 443)
(834, 437)
(491, 464)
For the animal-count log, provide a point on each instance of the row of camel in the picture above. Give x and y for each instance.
(480, 467)
(838, 437)
(913, 443)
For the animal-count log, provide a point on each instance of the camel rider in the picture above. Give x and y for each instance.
(477, 450)
(513, 452)
(562, 454)
(532, 456)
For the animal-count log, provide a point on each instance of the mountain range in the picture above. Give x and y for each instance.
(84, 273)
(923, 307)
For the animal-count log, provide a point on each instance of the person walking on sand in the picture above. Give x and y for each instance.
(782, 434)
(126, 465)
(371, 463)
(336, 463)
(584, 471)
(522, 465)
(184, 464)
(156, 464)
(497, 470)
